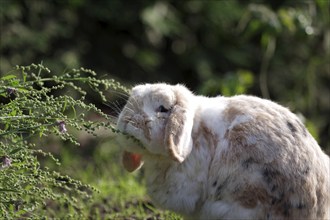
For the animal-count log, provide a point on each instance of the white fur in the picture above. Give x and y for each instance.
(239, 157)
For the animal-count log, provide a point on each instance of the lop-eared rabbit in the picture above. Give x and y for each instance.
(239, 157)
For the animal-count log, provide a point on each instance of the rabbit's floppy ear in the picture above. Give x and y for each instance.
(178, 130)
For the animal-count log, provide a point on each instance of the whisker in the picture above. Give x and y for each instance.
(116, 107)
(112, 107)
(135, 102)
(129, 109)
(121, 95)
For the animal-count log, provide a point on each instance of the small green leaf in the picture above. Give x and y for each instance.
(13, 113)
(41, 132)
(8, 77)
(74, 111)
(22, 89)
(14, 83)
(15, 150)
(8, 190)
(64, 105)
(6, 126)
(24, 77)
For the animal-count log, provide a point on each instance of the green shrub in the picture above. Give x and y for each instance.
(32, 107)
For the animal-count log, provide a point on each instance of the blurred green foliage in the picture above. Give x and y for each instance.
(274, 49)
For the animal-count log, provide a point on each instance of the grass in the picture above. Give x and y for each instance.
(119, 195)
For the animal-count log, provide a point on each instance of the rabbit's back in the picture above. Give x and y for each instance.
(265, 164)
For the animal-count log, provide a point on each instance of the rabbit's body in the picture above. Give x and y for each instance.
(244, 157)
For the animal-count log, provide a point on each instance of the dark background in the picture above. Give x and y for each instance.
(273, 49)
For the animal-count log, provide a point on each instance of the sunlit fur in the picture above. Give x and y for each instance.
(238, 157)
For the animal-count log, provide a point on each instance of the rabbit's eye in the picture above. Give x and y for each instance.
(162, 109)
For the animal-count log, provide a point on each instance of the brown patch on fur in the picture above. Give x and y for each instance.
(238, 144)
(237, 135)
(250, 195)
(231, 112)
(208, 135)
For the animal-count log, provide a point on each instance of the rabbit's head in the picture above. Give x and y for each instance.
(161, 117)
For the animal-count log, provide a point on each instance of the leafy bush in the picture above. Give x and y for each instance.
(33, 107)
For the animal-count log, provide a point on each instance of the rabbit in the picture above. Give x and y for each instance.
(239, 157)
